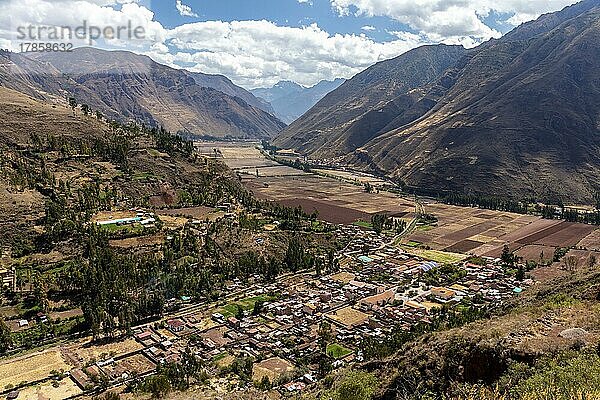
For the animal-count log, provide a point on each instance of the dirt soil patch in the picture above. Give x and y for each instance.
(349, 317)
(31, 367)
(190, 212)
(87, 351)
(327, 211)
(532, 252)
(273, 368)
(570, 236)
(66, 388)
(463, 246)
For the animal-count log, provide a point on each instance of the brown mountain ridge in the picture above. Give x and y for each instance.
(125, 85)
(515, 117)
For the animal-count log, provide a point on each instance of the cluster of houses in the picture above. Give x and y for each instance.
(8, 278)
(141, 217)
(377, 288)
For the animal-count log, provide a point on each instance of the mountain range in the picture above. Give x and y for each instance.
(121, 84)
(290, 100)
(517, 117)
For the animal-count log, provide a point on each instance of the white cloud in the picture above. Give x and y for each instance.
(368, 28)
(185, 10)
(15, 14)
(450, 21)
(261, 53)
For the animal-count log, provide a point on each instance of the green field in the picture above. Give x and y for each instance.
(336, 351)
(135, 229)
(363, 224)
(247, 304)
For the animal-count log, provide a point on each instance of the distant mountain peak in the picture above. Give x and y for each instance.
(290, 100)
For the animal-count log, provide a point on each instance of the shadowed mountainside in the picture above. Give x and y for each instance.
(515, 117)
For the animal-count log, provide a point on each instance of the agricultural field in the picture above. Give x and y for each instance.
(485, 233)
(336, 201)
(459, 230)
(231, 309)
(139, 241)
(270, 171)
(55, 390)
(83, 352)
(351, 176)
(199, 213)
(31, 368)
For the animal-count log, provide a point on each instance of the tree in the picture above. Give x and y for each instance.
(357, 385)
(158, 385)
(295, 258)
(239, 313)
(258, 307)
(325, 335)
(40, 293)
(86, 109)
(507, 257)
(264, 384)
(592, 261)
(571, 263)
(520, 276)
(110, 395)
(72, 103)
(380, 222)
(5, 337)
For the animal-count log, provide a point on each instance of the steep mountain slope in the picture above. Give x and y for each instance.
(124, 85)
(516, 117)
(523, 118)
(335, 125)
(290, 100)
(224, 84)
(29, 76)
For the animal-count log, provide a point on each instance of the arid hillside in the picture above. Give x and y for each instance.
(126, 86)
(515, 117)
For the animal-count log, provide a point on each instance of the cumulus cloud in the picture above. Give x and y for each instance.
(185, 10)
(368, 28)
(261, 53)
(251, 53)
(450, 21)
(18, 15)
(258, 53)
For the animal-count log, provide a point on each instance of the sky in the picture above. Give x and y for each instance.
(257, 43)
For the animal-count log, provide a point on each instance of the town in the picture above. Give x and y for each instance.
(377, 287)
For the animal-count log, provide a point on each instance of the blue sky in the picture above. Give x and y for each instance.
(282, 12)
(257, 43)
(297, 14)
